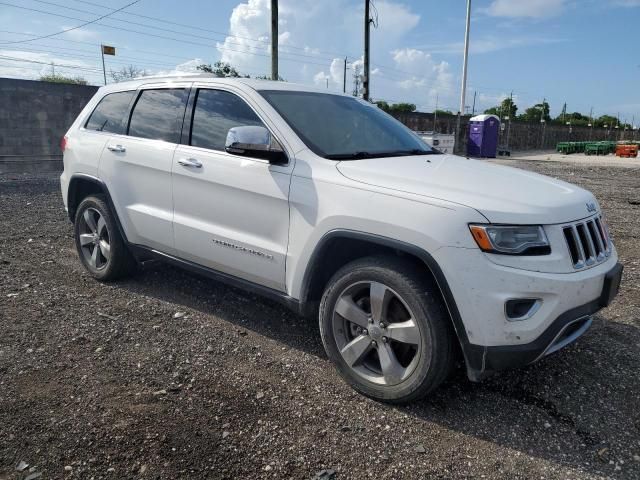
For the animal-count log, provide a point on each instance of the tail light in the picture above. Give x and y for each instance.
(63, 143)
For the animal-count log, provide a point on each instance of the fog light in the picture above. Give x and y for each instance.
(521, 308)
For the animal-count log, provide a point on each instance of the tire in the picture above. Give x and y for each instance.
(416, 331)
(100, 246)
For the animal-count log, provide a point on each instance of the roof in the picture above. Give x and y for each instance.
(207, 77)
(482, 118)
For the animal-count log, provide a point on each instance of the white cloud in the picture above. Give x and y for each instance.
(395, 18)
(186, 67)
(249, 30)
(422, 72)
(525, 8)
(316, 36)
(80, 33)
(335, 75)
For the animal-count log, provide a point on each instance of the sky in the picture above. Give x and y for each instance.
(582, 52)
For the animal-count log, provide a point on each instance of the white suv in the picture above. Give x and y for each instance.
(324, 202)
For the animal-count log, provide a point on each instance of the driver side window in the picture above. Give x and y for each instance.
(214, 113)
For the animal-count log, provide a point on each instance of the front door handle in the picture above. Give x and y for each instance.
(116, 148)
(190, 162)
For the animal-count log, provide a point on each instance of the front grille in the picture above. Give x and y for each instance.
(588, 242)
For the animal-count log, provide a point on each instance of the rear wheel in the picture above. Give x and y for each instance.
(100, 246)
(385, 328)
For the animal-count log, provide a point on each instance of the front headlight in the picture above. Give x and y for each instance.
(511, 239)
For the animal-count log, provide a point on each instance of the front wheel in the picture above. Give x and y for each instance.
(384, 327)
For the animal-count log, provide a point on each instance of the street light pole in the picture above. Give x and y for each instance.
(367, 28)
(274, 40)
(463, 93)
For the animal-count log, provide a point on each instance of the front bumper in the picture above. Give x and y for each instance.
(567, 328)
(480, 289)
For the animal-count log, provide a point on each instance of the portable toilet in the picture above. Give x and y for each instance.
(483, 136)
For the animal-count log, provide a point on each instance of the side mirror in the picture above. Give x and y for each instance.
(256, 142)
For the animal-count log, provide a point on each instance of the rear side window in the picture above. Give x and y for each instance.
(217, 111)
(110, 113)
(158, 114)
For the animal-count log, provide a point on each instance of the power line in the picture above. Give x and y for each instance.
(76, 27)
(146, 25)
(164, 37)
(195, 27)
(78, 67)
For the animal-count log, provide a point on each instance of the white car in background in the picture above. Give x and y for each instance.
(322, 201)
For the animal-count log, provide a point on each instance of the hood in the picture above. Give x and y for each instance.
(501, 194)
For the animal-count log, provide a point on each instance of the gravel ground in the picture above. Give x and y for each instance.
(579, 159)
(169, 375)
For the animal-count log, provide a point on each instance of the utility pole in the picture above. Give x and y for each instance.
(274, 40)
(463, 94)
(473, 110)
(435, 116)
(104, 71)
(327, 79)
(510, 115)
(591, 123)
(367, 26)
(344, 77)
(356, 80)
(543, 122)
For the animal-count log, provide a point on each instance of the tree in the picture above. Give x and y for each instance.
(396, 107)
(603, 120)
(402, 108)
(443, 112)
(57, 78)
(536, 113)
(382, 105)
(127, 73)
(221, 69)
(507, 108)
(576, 118)
(268, 77)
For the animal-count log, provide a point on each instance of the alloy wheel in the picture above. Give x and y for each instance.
(376, 333)
(94, 239)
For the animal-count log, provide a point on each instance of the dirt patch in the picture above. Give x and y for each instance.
(102, 381)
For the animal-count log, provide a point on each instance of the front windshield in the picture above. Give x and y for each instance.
(341, 127)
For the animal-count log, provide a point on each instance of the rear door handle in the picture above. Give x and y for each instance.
(190, 162)
(116, 148)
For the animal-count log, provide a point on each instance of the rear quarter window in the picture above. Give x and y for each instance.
(109, 115)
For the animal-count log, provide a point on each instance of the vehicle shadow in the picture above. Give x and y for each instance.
(577, 408)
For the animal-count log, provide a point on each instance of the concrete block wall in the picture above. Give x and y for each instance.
(34, 116)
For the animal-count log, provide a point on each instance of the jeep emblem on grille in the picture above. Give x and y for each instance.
(591, 207)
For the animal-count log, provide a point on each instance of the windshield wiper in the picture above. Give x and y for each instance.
(391, 153)
(349, 156)
(415, 151)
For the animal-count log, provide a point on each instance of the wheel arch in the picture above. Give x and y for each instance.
(81, 186)
(339, 246)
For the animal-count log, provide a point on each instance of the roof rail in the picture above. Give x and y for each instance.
(177, 74)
